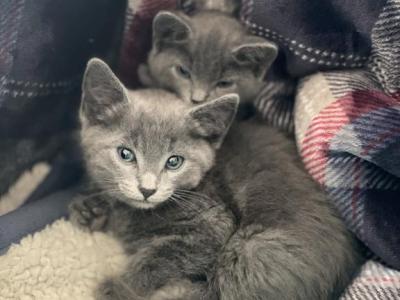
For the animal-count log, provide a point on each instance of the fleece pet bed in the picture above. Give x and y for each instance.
(60, 262)
(32, 217)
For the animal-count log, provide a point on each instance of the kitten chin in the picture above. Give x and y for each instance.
(141, 204)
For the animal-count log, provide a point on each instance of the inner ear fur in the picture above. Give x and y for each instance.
(170, 28)
(257, 54)
(102, 93)
(213, 119)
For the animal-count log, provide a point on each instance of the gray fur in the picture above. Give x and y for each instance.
(290, 243)
(226, 6)
(243, 219)
(213, 47)
(111, 117)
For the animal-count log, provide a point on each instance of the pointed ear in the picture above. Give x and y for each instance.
(257, 54)
(212, 120)
(169, 28)
(102, 94)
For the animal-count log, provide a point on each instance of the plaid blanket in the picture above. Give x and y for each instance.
(340, 61)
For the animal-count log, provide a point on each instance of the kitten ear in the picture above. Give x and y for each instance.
(257, 53)
(102, 93)
(170, 28)
(213, 119)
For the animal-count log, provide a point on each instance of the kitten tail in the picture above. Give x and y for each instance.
(259, 263)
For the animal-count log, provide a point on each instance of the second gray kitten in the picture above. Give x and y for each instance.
(205, 56)
(204, 214)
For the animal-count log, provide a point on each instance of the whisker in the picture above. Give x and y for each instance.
(187, 203)
(183, 203)
(188, 192)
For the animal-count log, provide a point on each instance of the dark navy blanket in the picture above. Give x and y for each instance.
(44, 47)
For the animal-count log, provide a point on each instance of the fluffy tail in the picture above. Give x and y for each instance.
(283, 264)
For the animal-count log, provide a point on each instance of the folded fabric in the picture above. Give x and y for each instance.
(347, 122)
(346, 137)
(33, 217)
(375, 282)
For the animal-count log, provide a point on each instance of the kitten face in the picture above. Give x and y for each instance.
(206, 56)
(147, 178)
(143, 146)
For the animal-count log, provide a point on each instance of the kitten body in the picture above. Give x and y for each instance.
(290, 243)
(238, 220)
(205, 56)
(175, 233)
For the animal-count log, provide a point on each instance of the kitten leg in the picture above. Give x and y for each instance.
(155, 267)
(118, 289)
(90, 214)
(181, 290)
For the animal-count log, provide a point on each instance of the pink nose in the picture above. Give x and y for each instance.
(147, 192)
(198, 96)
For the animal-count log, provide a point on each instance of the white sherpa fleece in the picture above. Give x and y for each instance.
(59, 263)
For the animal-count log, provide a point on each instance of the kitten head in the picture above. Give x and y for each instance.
(206, 56)
(142, 146)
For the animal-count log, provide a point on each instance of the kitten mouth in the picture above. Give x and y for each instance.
(144, 204)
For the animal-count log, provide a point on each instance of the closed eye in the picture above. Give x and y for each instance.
(183, 71)
(224, 84)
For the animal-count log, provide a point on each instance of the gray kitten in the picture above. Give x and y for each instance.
(204, 214)
(205, 56)
(146, 152)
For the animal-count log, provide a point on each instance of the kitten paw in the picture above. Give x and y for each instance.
(111, 290)
(106, 291)
(90, 214)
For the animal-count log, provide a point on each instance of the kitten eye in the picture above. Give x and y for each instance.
(174, 162)
(184, 72)
(126, 154)
(224, 84)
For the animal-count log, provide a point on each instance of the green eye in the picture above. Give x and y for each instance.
(224, 84)
(184, 72)
(126, 154)
(174, 162)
